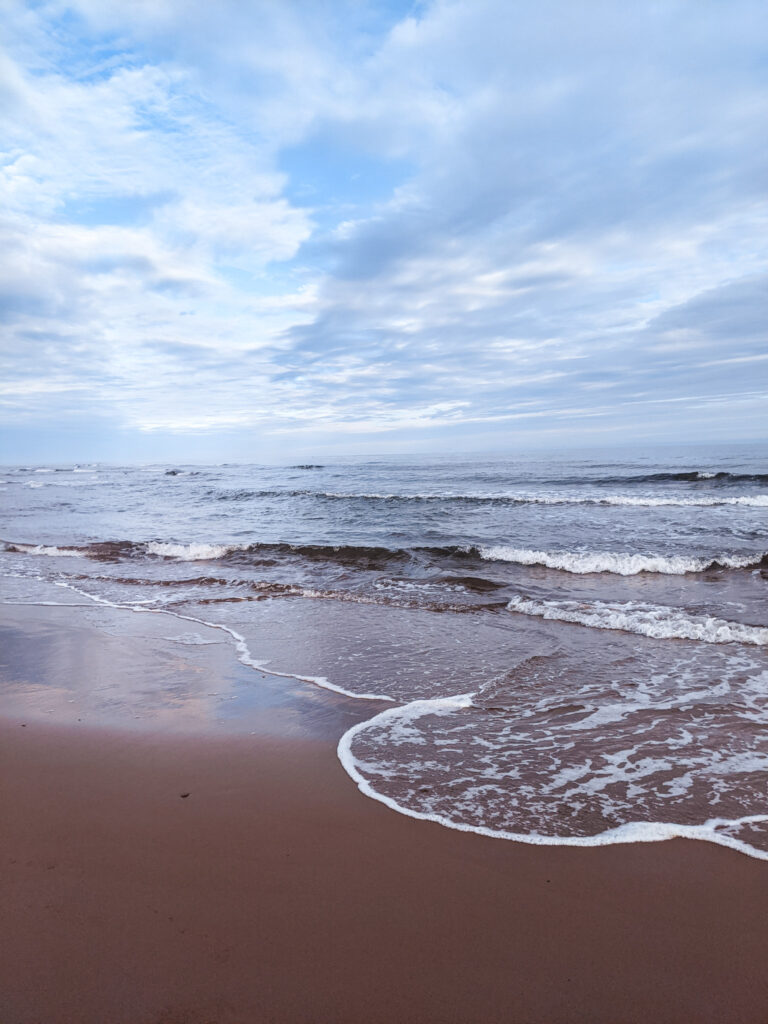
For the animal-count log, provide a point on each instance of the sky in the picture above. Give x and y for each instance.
(253, 228)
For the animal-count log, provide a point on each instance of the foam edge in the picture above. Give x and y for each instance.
(630, 832)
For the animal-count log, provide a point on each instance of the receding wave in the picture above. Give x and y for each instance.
(620, 563)
(648, 619)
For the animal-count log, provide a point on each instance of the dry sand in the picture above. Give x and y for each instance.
(275, 891)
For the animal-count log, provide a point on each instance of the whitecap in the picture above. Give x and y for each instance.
(192, 552)
(46, 549)
(621, 563)
(648, 619)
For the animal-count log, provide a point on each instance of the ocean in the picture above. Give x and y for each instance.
(549, 648)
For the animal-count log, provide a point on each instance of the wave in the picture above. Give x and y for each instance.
(684, 476)
(378, 557)
(192, 552)
(756, 500)
(341, 553)
(619, 562)
(100, 551)
(45, 549)
(648, 619)
(201, 552)
(753, 501)
(69, 482)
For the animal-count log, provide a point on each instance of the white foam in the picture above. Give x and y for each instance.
(630, 832)
(191, 640)
(48, 549)
(621, 563)
(404, 714)
(755, 501)
(649, 619)
(644, 501)
(192, 552)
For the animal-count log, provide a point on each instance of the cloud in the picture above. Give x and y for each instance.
(375, 219)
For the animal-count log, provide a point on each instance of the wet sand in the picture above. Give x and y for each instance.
(275, 891)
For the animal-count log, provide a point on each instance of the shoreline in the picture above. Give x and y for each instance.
(181, 846)
(275, 891)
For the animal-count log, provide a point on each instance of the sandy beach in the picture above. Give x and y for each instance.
(274, 891)
(383, 512)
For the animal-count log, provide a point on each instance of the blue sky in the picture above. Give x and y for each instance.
(247, 229)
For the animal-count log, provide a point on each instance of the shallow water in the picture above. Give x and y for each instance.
(568, 649)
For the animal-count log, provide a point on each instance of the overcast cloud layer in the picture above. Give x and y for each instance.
(245, 228)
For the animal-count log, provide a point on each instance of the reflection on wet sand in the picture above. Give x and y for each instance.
(113, 667)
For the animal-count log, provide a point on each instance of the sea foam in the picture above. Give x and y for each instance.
(192, 552)
(620, 563)
(402, 719)
(648, 619)
(45, 549)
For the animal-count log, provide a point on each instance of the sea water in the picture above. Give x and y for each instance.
(556, 648)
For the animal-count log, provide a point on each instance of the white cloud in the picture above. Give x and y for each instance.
(581, 208)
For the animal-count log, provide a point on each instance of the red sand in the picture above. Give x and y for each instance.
(276, 892)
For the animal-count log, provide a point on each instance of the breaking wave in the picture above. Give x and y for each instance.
(192, 552)
(45, 549)
(650, 620)
(618, 562)
(699, 501)
(375, 557)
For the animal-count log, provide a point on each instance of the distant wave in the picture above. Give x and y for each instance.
(648, 619)
(687, 476)
(618, 562)
(756, 500)
(36, 484)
